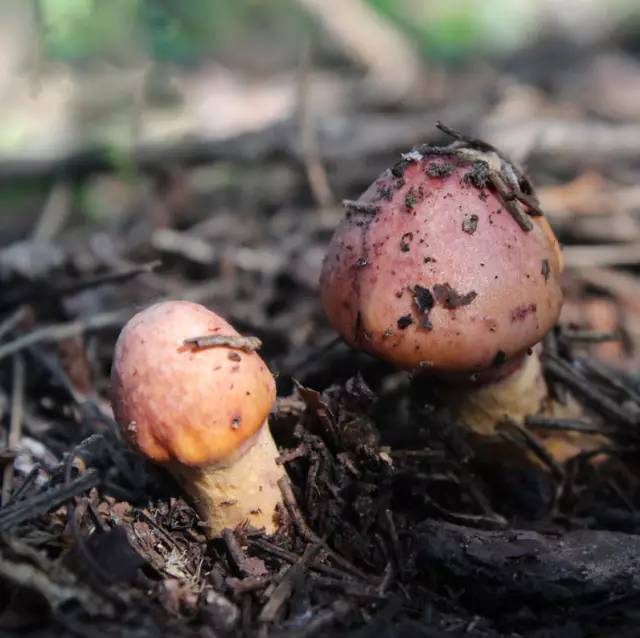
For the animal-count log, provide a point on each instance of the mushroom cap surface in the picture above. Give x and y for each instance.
(429, 269)
(177, 402)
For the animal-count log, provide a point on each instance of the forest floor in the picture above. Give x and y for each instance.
(400, 527)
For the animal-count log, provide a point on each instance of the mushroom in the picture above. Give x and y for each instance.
(200, 412)
(446, 266)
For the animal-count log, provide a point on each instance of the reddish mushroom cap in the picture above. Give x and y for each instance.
(173, 401)
(431, 268)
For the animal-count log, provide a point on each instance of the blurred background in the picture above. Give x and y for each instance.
(219, 137)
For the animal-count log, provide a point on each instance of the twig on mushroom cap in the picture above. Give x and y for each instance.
(247, 344)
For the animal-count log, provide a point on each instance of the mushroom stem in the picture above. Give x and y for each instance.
(521, 393)
(245, 488)
(516, 395)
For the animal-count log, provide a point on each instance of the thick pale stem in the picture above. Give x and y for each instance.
(245, 489)
(516, 395)
(519, 394)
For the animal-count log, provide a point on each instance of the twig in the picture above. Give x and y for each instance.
(184, 244)
(108, 278)
(284, 589)
(592, 256)
(570, 377)
(163, 532)
(316, 172)
(12, 321)
(39, 290)
(459, 136)
(589, 336)
(372, 41)
(308, 534)
(296, 515)
(470, 520)
(290, 557)
(347, 587)
(573, 425)
(395, 542)
(353, 206)
(247, 344)
(536, 447)
(54, 213)
(247, 566)
(27, 484)
(41, 503)
(247, 584)
(509, 199)
(55, 332)
(15, 425)
(607, 377)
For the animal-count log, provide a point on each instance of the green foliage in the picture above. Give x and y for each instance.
(168, 30)
(445, 29)
(85, 29)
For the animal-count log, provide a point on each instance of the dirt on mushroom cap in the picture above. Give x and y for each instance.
(419, 238)
(177, 402)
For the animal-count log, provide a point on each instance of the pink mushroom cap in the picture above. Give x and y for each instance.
(431, 270)
(177, 402)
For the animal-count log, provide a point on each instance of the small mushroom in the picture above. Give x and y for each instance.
(462, 278)
(200, 412)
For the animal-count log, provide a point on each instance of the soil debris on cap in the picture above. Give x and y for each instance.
(470, 224)
(439, 169)
(424, 300)
(405, 242)
(546, 269)
(450, 298)
(479, 175)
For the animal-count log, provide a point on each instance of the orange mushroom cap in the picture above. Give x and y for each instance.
(177, 402)
(430, 268)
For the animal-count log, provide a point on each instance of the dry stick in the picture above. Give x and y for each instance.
(537, 448)
(353, 206)
(57, 289)
(55, 332)
(247, 584)
(574, 425)
(347, 587)
(395, 542)
(598, 255)
(284, 588)
(316, 172)
(12, 321)
(246, 565)
(43, 502)
(572, 379)
(509, 200)
(54, 213)
(109, 278)
(606, 376)
(27, 484)
(308, 534)
(15, 425)
(165, 535)
(247, 344)
(589, 336)
(372, 41)
(290, 557)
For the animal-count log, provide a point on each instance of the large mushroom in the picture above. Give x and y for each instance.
(200, 412)
(446, 265)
